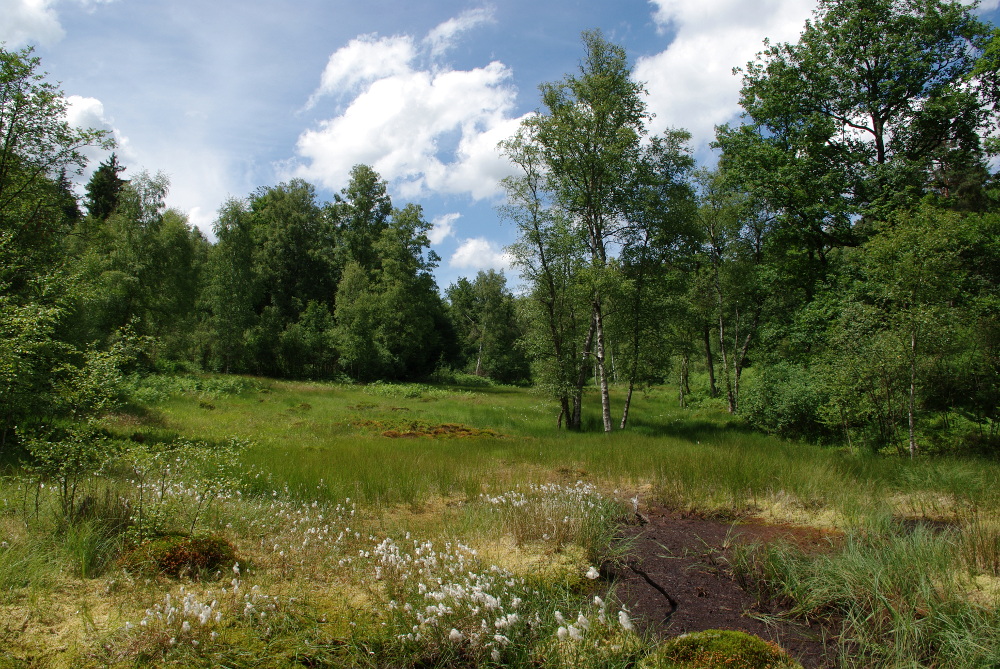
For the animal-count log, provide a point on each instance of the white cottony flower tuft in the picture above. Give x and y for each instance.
(592, 573)
(574, 633)
(562, 632)
(560, 619)
(625, 621)
(455, 635)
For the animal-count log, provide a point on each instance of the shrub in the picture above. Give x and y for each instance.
(785, 399)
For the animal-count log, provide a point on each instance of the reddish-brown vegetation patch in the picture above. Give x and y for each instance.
(415, 429)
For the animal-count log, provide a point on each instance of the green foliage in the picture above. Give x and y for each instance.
(104, 188)
(194, 473)
(306, 348)
(66, 459)
(391, 322)
(785, 399)
(837, 137)
(483, 312)
(37, 145)
(453, 378)
(718, 649)
(153, 388)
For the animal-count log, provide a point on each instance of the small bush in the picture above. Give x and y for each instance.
(786, 400)
(176, 556)
(719, 649)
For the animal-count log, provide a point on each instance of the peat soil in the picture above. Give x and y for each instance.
(678, 581)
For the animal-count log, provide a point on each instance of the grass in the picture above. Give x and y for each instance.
(353, 509)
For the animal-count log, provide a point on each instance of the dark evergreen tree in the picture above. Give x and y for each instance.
(104, 188)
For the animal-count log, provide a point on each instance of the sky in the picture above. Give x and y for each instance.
(226, 96)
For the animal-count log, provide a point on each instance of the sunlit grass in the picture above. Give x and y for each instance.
(318, 476)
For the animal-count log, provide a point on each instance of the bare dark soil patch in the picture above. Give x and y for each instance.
(679, 581)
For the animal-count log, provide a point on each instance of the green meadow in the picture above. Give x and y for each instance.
(233, 521)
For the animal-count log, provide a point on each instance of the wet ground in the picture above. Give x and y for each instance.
(678, 581)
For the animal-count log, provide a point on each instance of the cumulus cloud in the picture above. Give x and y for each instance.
(480, 253)
(691, 84)
(85, 112)
(423, 126)
(25, 21)
(365, 59)
(443, 227)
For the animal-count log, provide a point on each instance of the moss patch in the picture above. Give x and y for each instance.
(180, 555)
(719, 649)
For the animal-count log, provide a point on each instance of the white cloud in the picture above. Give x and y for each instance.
(365, 59)
(480, 253)
(198, 174)
(984, 5)
(25, 21)
(426, 129)
(85, 112)
(200, 219)
(443, 227)
(442, 37)
(691, 84)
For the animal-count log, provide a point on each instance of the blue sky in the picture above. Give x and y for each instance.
(225, 96)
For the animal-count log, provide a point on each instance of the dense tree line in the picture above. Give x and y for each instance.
(834, 277)
(290, 287)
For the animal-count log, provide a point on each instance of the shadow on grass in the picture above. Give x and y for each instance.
(689, 429)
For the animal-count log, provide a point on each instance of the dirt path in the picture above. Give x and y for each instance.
(678, 582)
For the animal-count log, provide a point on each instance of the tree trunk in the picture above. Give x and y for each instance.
(601, 369)
(628, 403)
(713, 391)
(575, 419)
(913, 392)
(686, 373)
(741, 357)
(725, 365)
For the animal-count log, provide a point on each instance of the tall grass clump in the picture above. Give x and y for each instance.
(563, 515)
(896, 591)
